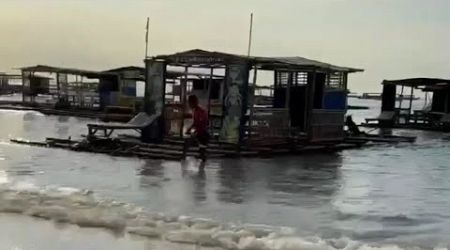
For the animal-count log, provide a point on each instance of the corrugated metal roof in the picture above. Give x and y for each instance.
(125, 68)
(305, 62)
(198, 56)
(10, 76)
(51, 69)
(416, 82)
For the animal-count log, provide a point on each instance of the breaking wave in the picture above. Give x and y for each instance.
(85, 209)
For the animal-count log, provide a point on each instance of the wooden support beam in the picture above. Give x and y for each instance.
(401, 95)
(252, 105)
(345, 79)
(410, 103)
(58, 87)
(446, 103)
(23, 86)
(310, 101)
(183, 100)
(288, 90)
(288, 99)
(211, 75)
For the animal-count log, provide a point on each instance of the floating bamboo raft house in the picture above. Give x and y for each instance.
(82, 89)
(305, 111)
(5, 84)
(309, 97)
(433, 114)
(108, 95)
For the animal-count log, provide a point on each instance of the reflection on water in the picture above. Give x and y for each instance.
(152, 168)
(198, 179)
(152, 174)
(310, 181)
(233, 181)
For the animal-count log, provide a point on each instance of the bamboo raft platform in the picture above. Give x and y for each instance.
(178, 148)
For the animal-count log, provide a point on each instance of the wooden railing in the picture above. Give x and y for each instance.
(269, 122)
(327, 125)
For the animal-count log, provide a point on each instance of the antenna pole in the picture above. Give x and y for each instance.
(250, 35)
(146, 37)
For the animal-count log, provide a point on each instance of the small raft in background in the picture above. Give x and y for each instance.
(382, 138)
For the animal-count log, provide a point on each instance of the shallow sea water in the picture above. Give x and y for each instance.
(390, 196)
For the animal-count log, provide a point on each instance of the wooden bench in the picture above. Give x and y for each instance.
(138, 123)
(384, 117)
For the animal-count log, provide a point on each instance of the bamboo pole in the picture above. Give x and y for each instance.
(250, 35)
(146, 37)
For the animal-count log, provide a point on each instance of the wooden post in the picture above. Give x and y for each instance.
(222, 97)
(328, 79)
(446, 103)
(310, 98)
(244, 105)
(252, 105)
(345, 82)
(77, 91)
(401, 97)
(32, 97)
(183, 100)
(410, 103)
(288, 90)
(345, 79)
(411, 98)
(155, 80)
(211, 74)
(287, 104)
(58, 87)
(275, 79)
(23, 85)
(82, 89)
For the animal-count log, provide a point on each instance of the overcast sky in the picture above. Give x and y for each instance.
(388, 38)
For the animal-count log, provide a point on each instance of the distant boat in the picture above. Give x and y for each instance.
(407, 97)
(377, 96)
(372, 96)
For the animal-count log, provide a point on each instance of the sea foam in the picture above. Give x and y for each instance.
(85, 209)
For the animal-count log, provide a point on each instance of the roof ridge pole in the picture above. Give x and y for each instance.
(250, 35)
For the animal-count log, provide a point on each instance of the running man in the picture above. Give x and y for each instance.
(199, 125)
